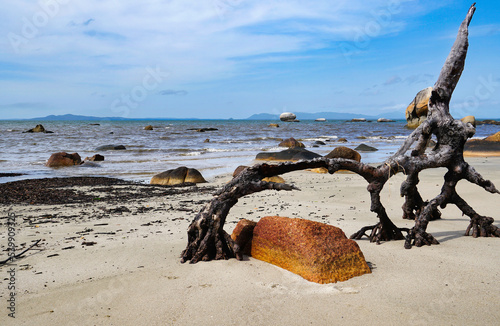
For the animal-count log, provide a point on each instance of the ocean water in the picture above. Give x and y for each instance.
(171, 144)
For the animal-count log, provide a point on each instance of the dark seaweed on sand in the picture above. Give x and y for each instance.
(57, 191)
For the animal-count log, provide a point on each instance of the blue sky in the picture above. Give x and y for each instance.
(234, 58)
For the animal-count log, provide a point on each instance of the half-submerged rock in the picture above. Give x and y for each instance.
(318, 252)
(110, 148)
(178, 176)
(39, 128)
(95, 158)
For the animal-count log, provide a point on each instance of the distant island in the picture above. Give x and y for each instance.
(259, 116)
(67, 117)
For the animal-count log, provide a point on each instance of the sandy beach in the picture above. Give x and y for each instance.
(116, 262)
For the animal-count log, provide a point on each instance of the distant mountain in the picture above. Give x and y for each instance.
(329, 116)
(67, 117)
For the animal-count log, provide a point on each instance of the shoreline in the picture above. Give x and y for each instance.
(132, 273)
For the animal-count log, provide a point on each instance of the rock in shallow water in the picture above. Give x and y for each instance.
(291, 143)
(39, 128)
(63, 159)
(366, 148)
(287, 116)
(291, 155)
(318, 252)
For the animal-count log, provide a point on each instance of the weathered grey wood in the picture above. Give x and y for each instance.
(207, 239)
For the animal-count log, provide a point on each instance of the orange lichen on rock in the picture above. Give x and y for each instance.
(318, 252)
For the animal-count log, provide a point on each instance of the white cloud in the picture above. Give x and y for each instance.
(90, 46)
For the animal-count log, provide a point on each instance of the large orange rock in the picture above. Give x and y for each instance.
(178, 176)
(416, 112)
(318, 252)
(63, 159)
(291, 143)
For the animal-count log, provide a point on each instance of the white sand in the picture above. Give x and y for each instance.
(135, 278)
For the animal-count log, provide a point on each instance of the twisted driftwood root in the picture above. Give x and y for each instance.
(419, 238)
(207, 239)
(482, 226)
(380, 232)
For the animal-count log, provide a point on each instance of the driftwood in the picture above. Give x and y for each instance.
(3, 262)
(207, 239)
